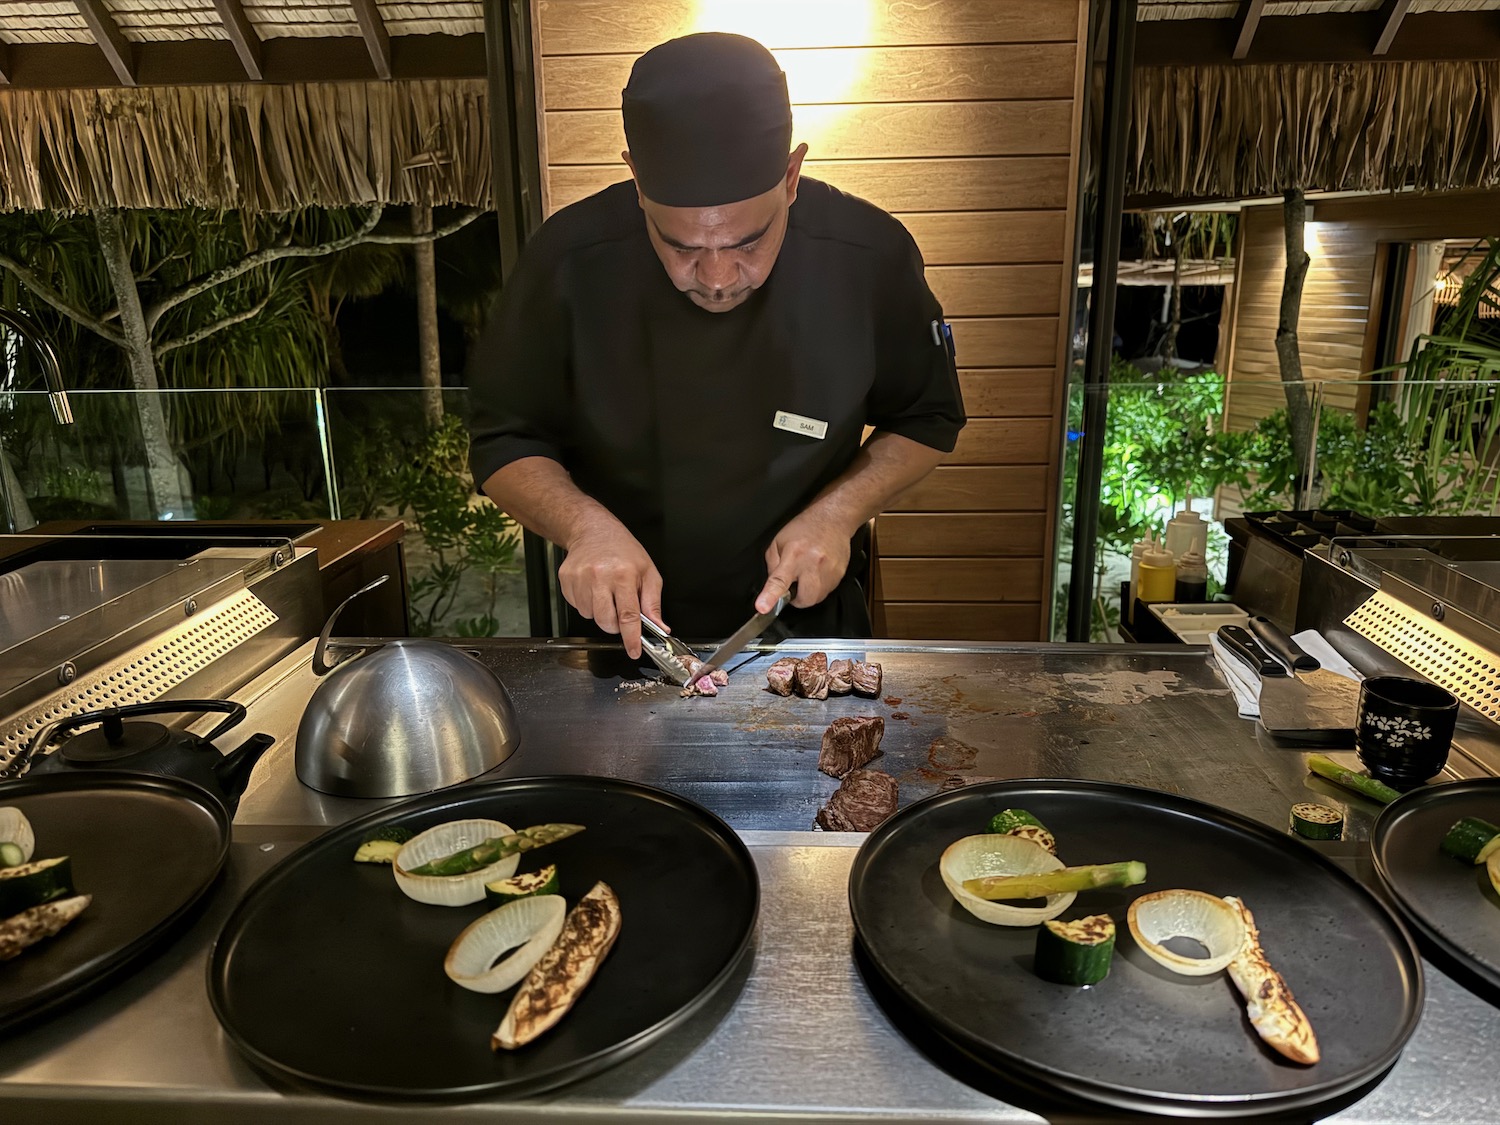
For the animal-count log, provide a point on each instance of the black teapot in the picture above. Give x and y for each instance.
(122, 741)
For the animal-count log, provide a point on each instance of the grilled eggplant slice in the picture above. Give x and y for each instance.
(564, 971)
(1273, 1011)
(39, 923)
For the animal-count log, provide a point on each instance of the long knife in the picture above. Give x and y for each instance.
(1288, 708)
(742, 636)
(1334, 691)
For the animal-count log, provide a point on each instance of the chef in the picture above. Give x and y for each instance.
(676, 382)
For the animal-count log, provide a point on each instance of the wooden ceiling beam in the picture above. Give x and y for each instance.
(377, 39)
(242, 35)
(1246, 23)
(1392, 12)
(213, 62)
(1328, 37)
(110, 40)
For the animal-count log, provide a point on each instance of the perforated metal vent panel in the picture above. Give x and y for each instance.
(148, 671)
(1446, 657)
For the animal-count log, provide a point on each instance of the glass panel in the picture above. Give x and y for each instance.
(1166, 449)
(1409, 447)
(463, 555)
(172, 455)
(1382, 448)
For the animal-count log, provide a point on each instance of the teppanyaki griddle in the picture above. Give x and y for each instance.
(1144, 1038)
(1448, 902)
(146, 848)
(326, 974)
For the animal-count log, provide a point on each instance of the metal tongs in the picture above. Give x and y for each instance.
(666, 651)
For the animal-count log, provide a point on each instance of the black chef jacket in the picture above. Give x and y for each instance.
(664, 413)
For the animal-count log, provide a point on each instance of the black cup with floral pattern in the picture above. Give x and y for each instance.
(1403, 729)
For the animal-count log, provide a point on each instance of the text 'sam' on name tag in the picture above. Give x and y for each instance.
(800, 424)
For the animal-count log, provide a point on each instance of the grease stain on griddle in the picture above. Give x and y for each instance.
(1124, 686)
(948, 753)
(971, 693)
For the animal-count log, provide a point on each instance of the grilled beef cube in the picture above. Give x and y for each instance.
(865, 679)
(838, 677)
(849, 743)
(865, 798)
(703, 685)
(779, 675)
(811, 678)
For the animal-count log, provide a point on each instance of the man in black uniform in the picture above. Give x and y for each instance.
(682, 418)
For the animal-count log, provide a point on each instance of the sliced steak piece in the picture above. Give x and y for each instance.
(703, 685)
(779, 676)
(849, 743)
(865, 679)
(859, 805)
(811, 678)
(838, 677)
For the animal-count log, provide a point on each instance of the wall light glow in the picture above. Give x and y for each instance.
(812, 40)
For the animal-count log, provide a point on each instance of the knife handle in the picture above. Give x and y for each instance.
(1244, 648)
(1274, 637)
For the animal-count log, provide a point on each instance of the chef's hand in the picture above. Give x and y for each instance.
(610, 579)
(811, 551)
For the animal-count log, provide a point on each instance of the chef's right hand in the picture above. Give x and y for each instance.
(610, 579)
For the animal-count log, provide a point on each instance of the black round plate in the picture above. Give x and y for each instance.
(1144, 1038)
(1449, 902)
(327, 974)
(146, 848)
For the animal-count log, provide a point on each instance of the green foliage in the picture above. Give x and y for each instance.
(74, 483)
(1198, 234)
(1161, 445)
(425, 480)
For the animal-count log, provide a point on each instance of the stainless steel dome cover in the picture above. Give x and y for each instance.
(405, 716)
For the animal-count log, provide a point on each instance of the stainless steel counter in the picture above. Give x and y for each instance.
(797, 1033)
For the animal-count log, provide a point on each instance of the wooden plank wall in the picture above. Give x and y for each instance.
(1343, 241)
(961, 117)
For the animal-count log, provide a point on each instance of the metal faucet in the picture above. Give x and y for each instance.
(57, 393)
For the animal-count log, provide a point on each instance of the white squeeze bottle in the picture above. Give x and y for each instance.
(1187, 531)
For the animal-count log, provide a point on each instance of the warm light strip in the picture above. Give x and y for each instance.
(785, 26)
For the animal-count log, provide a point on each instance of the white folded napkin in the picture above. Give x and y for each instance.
(1245, 684)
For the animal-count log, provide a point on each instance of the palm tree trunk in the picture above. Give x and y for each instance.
(427, 317)
(1299, 409)
(162, 480)
(1174, 320)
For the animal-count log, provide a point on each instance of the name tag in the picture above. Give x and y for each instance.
(798, 424)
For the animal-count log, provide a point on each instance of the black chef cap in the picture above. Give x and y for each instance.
(707, 120)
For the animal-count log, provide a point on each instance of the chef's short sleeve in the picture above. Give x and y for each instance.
(915, 392)
(518, 378)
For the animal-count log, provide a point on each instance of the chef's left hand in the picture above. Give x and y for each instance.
(813, 552)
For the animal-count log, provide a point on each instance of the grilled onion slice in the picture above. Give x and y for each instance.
(443, 840)
(529, 926)
(974, 857)
(1207, 919)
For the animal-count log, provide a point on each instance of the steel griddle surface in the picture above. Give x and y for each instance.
(1156, 718)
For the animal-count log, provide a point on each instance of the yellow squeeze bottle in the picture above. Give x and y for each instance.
(1158, 576)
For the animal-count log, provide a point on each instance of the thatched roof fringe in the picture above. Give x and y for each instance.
(1234, 132)
(261, 147)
